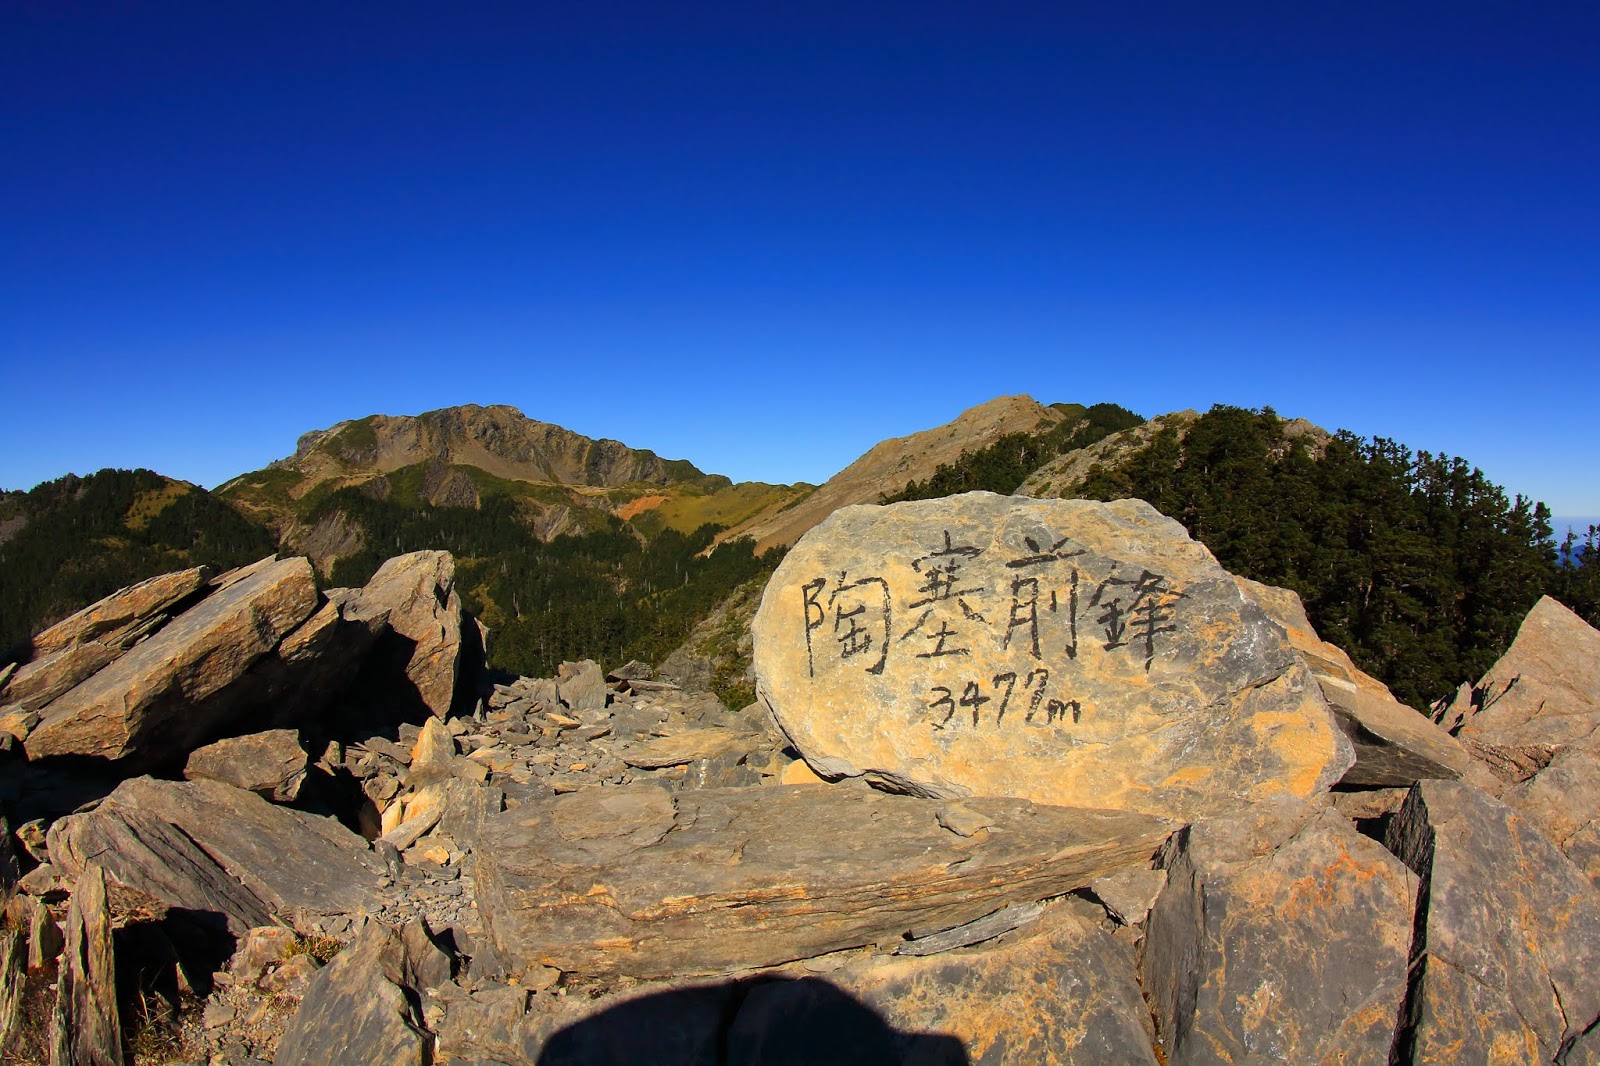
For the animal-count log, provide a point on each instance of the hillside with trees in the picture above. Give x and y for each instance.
(1415, 563)
(68, 542)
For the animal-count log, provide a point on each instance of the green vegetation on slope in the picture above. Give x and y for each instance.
(1415, 564)
(1004, 465)
(76, 539)
(606, 594)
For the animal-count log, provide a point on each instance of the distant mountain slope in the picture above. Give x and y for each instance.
(68, 542)
(558, 481)
(889, 466)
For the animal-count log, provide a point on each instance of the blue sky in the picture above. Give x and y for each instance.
(765, 236)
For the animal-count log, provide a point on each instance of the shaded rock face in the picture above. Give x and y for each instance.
(75, 648)
(412, 608)
(1282, 936)
(639, 881)
(1070, 652)
(1506, 950)
(155, 699)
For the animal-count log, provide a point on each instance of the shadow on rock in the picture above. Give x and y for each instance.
(770, 1022)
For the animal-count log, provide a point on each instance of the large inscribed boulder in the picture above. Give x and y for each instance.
(1066, 651)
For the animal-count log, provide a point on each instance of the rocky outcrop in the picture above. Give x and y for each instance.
(1505, 959)
(1066, 651)
(892, 464)
(1545, 690)
(157, 698)
(644, 882)
(1281, 936)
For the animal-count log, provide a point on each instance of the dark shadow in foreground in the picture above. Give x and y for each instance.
(766, 1021)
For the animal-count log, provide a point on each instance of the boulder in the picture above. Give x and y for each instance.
(1065, 651)
(581, 687)
(356, 1008)
(1545, 690)
(414, 614)
(85, 1028)
(1326, 660)
(1062, 994)
(1260, 951)
(156, 701)
(638, 881)
(72, 650)
(1506, 950)
(271, 764)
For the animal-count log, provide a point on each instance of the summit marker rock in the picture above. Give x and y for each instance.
(1065, 651)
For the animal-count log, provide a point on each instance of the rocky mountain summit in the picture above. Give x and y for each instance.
(1028, 781)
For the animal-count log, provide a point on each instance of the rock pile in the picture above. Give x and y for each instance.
(1211, 838)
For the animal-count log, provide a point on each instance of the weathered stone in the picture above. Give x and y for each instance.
(355, 1009)
(681, 1024)
(581, 686)
(18, 722)
(685, 746)
(1506, 954)
(1562, 801)
(1290, 953)
(1065, 651)
(1544, 690)
(1326, 660)
(1395, 745)
(85, 1028)
(45, 677)
(271, 764)
(636, 880)
(146, 853)
(632, 670)
(1377, 803)
(1061, 994)
(302, 867)
(412, 608)
(154, 702)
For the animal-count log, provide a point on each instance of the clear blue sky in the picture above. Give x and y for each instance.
(764, 236)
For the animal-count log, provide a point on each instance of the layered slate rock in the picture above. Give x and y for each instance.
(412, 608)
(1260, 951)
(1066, 651)
(1063, 994)
(157, 700)
(85, 1027)
(75, 648)
(154, 858)
(639, 881)
(1545, 690)
(1506, 953)
(210, 847)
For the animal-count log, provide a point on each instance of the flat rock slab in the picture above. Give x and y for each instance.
(639, 881)
(1281, 936)
(271, 764)
(355, 1009)
(1063, 994)
(1506, 956)
(1562, 801)
(153, 702)
(1065, 651)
